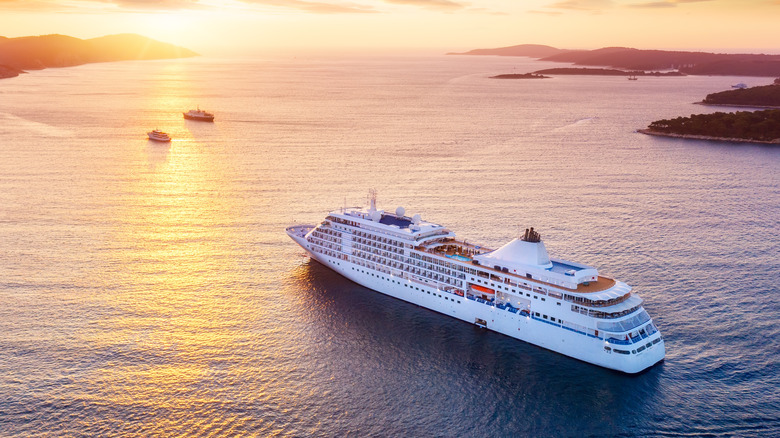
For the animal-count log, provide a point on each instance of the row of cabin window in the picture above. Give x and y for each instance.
(527, 294)
(638, 350)
(406, 285)
(560, 321)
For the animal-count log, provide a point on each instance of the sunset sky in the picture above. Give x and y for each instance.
(234, 27)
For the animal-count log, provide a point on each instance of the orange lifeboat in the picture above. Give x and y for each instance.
(484, 290)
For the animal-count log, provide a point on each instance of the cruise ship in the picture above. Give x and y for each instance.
(517, 289)
(199, 115)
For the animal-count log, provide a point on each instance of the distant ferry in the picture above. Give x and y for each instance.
(632, 78)
(517, 289)
(740, 86)
(158, 135)
(198, 114)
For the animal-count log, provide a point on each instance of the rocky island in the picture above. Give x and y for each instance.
(626, 58)
(742, 126)
(520, 76)
(604, 72)
(39, 52)
(767, 96)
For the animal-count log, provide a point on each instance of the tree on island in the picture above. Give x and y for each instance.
(742, 125)
(767, 95)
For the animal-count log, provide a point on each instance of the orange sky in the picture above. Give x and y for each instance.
(235, 27)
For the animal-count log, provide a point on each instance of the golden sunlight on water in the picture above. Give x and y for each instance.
(150, 289)
(167, 271)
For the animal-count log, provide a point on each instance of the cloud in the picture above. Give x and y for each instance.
(490, 11)
(32, 5)
(315, 7)
(653, 5)
(582, 5)
(664, 4)
(319, 7)
(166, 5)
(551, 13)
(597, 6)
(430, 4)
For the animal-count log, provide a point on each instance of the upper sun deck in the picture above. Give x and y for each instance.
(523, 259)
(412, 228)
(461, 251)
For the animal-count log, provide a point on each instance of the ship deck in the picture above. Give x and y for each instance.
(462, 251)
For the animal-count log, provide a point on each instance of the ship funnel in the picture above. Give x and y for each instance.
(527, 251)
(531, 236)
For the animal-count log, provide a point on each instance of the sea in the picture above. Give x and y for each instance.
(150, 289)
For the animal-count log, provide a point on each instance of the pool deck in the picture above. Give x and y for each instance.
(462, 251)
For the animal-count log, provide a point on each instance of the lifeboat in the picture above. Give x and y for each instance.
(482, 289)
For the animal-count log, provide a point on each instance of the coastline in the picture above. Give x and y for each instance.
(520, 76)
(706, 137)
(7, 72)
(737, 105)
(57, 51)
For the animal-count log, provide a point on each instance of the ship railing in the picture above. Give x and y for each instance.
(300, 230)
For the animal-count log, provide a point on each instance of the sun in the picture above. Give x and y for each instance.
(172, 27)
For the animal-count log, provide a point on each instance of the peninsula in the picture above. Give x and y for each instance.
(46, 51)
(742, 126)
(605, 72)
(520, 76)
(689, 63)
(9, 72)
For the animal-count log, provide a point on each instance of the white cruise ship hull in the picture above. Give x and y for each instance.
(524, 327)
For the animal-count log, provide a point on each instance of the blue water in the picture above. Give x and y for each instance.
(151, 290)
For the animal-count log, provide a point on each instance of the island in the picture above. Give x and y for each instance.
(529, 50)
(689, 63)
(605, 72)
(520, 76)
(767, 96)
(741, 126)
(39, 52)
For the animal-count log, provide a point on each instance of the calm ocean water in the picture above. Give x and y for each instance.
(150, 290)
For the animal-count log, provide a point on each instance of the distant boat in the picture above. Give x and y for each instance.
(200, 115)
(158, 135)
(740, 86)
(632, 78)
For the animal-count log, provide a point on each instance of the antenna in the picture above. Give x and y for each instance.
(372, 199)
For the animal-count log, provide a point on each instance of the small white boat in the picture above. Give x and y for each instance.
(740, 86)
(158, 135)
(199, 114)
